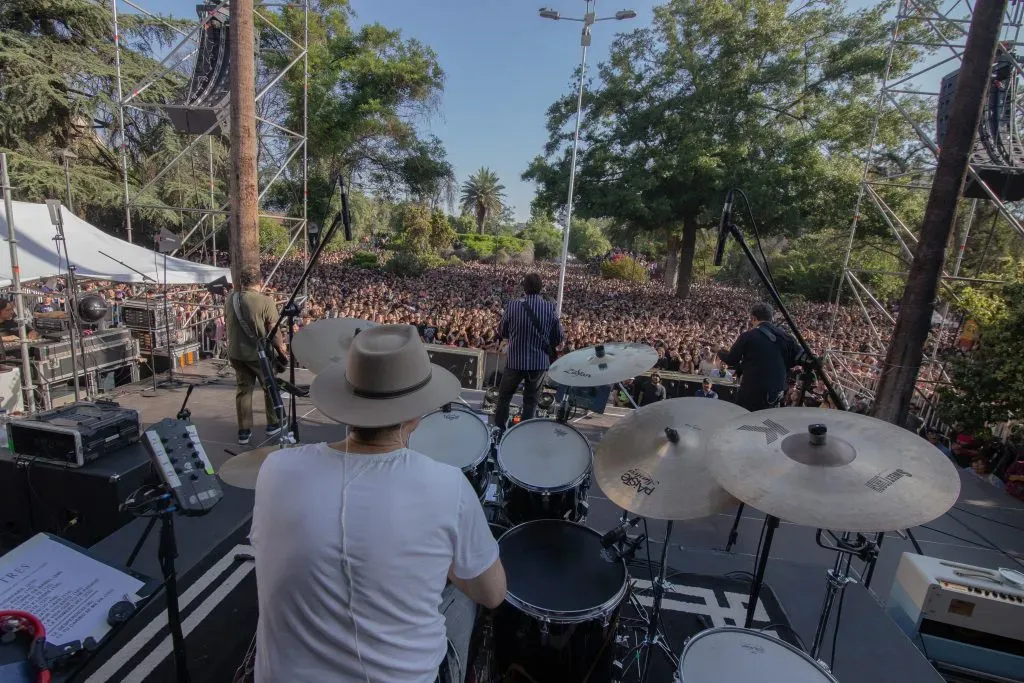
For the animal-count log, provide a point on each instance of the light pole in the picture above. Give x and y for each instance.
(588, 20)
(67, 156)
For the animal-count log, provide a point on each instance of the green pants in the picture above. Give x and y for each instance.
(247, 377)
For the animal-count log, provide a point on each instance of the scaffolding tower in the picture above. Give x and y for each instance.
(995, 174)
(202, 115)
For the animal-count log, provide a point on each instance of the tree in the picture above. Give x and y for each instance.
(988, 383)
(273, 236)
(441, 233)
(587, 240)
(462, 224)
(759, 94)
(412, 223)
(57, 89)
(546, 238)
(482, 196)
(369, 90)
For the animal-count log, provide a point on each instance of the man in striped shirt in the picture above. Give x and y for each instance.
(533, 332)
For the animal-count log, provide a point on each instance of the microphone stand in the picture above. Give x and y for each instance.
(152, 333)
(291, 309)
(71, 306)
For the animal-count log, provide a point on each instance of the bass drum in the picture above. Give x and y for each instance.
(458, 437)
(741, 655)
(560, 615)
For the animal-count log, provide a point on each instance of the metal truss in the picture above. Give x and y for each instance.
(280, 149)
(940, 33)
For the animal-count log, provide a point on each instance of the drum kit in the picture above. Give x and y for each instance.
(675, 460)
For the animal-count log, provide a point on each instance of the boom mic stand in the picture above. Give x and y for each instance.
(71, 300)
(811, 365)
(291, 309)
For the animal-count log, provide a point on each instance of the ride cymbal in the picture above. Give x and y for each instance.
(650, 472)
(602, 365)
(324, 342)
(241, 470)
(830, 469)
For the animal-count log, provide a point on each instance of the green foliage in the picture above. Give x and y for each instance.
(462, 224)
(483, 196)
(767, 95)
(274, 236)
(365, 259)
(406, 264)
(441, 233)
(988, 383)
(481, 247)
(624, 268)
(411, 223)
(587, 240)
(546, 238)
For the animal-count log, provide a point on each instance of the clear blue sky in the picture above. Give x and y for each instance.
(504, 66)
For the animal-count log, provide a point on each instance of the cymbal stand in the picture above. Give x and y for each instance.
(760, 563)
(846, 547)
(653, 639)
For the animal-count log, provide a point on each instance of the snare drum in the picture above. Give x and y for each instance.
(558, 621)
(456, 437)
(740, 655)
(545, 467)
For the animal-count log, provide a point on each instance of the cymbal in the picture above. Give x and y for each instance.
(641, 470)
(241, 470)
(601, 365)
(867, 475)
(326, 341)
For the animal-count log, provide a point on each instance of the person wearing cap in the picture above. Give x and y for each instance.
(653, 392)
(354, 540)
(706, 390)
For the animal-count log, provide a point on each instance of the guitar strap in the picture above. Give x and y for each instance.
(242, 319)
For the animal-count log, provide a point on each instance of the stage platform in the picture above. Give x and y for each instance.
(218, 584)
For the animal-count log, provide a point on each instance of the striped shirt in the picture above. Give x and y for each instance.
(528, 348)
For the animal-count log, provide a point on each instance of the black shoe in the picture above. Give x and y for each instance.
(244, 435)
(273, 430)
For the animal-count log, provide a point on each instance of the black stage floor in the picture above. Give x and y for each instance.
(218, 586)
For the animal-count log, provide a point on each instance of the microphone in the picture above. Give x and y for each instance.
(723, 228)
(619, 532)
(345, 217)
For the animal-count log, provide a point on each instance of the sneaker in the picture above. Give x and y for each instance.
(273, 430)
(244, 435)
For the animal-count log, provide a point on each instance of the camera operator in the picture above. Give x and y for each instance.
(761, 354)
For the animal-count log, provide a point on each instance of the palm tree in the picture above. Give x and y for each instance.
(483, 196)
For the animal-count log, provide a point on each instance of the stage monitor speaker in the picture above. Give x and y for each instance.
(466, 364)
(594, 399)
(81, 505)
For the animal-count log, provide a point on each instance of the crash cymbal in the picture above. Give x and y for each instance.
(601, 365)
(242, 469)
(326, 341)
(642, 469)
(830, 469)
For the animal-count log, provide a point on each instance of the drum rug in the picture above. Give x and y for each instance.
(698, 601)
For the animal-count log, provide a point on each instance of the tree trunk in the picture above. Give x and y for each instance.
(903, 360)
(672, 259)
(481, 218)
(244, 232)
(686, 259)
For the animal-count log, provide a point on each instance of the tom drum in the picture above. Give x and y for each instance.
(457, 437)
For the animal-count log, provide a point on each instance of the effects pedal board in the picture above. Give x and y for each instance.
(175, 449)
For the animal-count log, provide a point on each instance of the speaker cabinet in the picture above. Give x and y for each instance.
(466, 364)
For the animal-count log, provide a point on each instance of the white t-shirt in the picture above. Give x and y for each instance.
(406, 519)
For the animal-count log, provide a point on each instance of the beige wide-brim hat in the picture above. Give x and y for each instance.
(386, 379)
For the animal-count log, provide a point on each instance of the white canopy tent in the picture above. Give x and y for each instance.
(38, 257)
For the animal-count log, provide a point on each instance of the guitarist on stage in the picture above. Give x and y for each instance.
(250, 315)
(534, 334)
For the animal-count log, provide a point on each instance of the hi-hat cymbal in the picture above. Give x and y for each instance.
(642, 469)
(242, 469)
(326, 341)
(601, 365)
(830, 469)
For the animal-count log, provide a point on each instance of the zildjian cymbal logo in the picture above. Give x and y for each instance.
(576, 372)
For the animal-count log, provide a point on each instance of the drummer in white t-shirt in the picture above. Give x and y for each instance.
(354, 540)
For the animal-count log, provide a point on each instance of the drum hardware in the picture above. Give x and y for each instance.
(653, 638)
(846, 548)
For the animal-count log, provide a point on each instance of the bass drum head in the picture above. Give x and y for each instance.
(458, 437)
(544, 454)
(740, 655)
(555, 570)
